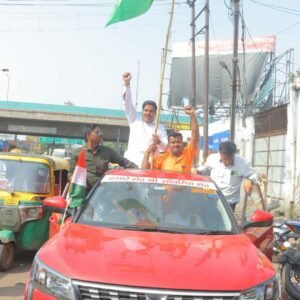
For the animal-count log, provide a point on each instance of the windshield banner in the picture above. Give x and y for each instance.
(191, 183)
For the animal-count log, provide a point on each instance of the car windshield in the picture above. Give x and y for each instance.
(161, 205)
(24, 176)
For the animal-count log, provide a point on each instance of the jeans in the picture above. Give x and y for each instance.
(232, 205)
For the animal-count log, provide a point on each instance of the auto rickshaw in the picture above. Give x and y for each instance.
(25, 181)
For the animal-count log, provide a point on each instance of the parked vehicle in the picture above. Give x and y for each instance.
(149, 234)
(25, 181)
(63, 153)
(289, 266)
(286, 235)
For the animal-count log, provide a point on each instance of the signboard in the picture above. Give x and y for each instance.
(257, 53)
(46, 140)
(52, 140)
(215, 139)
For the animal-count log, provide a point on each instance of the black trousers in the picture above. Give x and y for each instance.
(232, 205)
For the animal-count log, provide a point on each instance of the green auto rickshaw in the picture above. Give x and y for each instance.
(25, 181)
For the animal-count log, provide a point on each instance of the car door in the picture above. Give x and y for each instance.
(262, 237)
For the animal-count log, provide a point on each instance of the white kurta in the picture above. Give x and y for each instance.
(140, 136)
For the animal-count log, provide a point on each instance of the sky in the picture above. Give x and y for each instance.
(60, 50)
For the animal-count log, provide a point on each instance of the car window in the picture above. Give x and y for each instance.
(248, 204)
(159, 206)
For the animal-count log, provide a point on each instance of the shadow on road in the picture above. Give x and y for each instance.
(14, 280)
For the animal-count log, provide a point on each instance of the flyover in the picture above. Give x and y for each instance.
(53, 120)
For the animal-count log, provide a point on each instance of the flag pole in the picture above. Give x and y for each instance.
(64, 215)
(163, 66)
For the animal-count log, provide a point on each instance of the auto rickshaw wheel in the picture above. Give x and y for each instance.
(7, 252)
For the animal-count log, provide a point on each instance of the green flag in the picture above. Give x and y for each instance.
(128, 9)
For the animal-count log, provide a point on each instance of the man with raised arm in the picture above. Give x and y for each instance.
(141, 128)
(177, 158)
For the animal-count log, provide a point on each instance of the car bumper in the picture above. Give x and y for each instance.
(32, 293)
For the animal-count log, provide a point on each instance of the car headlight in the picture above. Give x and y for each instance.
(51, 282)
(269, 290)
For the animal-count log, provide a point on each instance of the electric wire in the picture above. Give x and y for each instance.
(287, 10)
(39, 17)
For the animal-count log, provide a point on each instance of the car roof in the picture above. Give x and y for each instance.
(57, 162)
(158, 173)
(60, 163)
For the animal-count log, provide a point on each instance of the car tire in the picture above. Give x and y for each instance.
(7, 253)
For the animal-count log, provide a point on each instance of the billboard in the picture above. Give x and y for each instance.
(253, 57)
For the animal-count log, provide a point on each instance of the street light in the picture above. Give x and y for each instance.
(224, 66)
(8, 78)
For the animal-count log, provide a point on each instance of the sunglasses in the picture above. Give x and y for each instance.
(97, 132)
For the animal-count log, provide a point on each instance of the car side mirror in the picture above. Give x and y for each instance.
(259, 218)
(55, 204)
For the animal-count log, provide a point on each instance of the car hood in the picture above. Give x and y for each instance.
(159, 260)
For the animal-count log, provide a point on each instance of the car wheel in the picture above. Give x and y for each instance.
(7, 252)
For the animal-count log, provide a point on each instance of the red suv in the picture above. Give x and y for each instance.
(153, 235)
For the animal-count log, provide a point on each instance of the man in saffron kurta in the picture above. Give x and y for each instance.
(177, 158)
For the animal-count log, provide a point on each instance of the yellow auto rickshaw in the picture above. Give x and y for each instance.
(25, 181)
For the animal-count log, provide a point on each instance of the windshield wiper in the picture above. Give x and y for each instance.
(174, 230)
(215, 232)
(153, 229)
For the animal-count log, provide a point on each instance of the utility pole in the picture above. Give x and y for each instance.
(235, 59)
(8, 78)
(206, 82)
(193, 26)
(137, 83)
(205, 29)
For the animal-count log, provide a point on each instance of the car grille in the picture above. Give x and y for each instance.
(89, 291)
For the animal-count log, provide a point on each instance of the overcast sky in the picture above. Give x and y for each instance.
(59, 51)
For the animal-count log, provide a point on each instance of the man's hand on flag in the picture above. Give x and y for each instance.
(156, 139)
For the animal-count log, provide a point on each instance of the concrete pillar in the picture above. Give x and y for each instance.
(292, 201)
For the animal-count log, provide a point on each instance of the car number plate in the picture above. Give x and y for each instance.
(11, 201)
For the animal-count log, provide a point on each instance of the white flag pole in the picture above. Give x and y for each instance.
(162, 72)
(163, 66)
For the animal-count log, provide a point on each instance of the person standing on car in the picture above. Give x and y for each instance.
(141, 128)
(97, 156)
(177, 158)
(228, 170)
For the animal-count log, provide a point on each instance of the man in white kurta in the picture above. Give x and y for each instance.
(141, 127)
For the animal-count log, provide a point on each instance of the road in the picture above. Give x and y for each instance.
(12, 282)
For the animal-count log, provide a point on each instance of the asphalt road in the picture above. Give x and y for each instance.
(12, 282)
